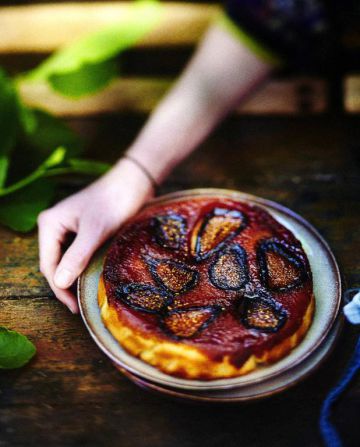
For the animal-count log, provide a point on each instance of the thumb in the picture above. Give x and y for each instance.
(77, 256)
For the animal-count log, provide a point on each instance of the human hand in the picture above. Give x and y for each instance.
(93, 215)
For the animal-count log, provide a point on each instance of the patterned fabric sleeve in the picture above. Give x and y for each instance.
(289, 31)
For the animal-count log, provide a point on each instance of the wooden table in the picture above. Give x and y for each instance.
(70, 395)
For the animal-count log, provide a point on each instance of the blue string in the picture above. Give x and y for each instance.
(329, 433)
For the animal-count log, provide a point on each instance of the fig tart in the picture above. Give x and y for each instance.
(206, 288)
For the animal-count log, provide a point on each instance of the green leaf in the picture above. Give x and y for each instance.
(19, 210)
(4, 166)
(27, 119)
(88, 79)
(9, 120)
(15, 349)
(55, 159)
(45, 132)
(80, 59)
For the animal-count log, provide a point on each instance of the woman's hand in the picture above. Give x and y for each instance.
(93, 215)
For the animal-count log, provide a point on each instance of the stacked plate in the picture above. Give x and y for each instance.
(265, 380)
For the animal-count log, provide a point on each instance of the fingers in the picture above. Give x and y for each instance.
(66, 297)
(51, 236)
(89, 238)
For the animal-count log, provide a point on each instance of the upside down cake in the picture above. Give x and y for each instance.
(206, 288)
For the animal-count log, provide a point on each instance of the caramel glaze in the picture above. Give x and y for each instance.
(226, 335)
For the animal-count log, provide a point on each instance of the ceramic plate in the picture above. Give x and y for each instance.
(327, 290)
(256, 391)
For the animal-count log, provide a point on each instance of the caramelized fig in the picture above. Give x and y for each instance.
(261, 312)
(186, 323)
(280, 268)
(173, 275)
(144, 297)
(215, 230)
(229, 269)
(170, 231)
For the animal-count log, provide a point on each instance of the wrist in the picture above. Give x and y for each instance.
(132, 177)
(125, 187)
(143, 168)
(156, 161)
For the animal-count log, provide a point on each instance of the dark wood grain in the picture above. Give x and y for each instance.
(70, 394)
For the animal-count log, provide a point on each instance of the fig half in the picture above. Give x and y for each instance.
(216, 229)
(186, 323)
(229, 269)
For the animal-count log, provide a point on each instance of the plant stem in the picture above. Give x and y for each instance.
(76, 166)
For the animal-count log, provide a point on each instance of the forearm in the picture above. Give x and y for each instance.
(221, 73)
